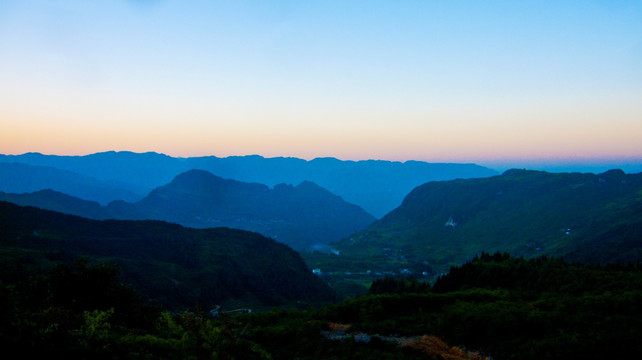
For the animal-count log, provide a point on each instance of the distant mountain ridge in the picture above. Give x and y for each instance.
(582, 217)
(21, 178)
(377, 186)
(178, 266)
(60, 202)
(301, 216)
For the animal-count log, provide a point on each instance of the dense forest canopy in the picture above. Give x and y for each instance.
(178, 266)
(495, 306)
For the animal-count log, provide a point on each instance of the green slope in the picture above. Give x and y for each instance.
(512, 308)
(586, 217)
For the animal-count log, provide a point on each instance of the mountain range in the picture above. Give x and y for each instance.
(23, 178)
(375, 185)
(303, 216)
(580, 217)
(498, 264)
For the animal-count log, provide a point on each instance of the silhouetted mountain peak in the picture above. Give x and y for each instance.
(309, 187)
(198, 198)
(306, 184)
(519, 172)
(615, 173)
(52, 194)
(196, 177)
(208, 185)
(283, 188)
(130, 154)
(305, 187)
(54, 200)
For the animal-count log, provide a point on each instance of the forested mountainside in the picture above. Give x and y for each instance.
(177, 266)
(493, 307)
(581, 217)
(511, 308)
(375, 185)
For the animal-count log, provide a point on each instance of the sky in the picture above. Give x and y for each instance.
(492, 82)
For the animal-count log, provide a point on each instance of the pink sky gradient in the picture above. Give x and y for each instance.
(443, 82)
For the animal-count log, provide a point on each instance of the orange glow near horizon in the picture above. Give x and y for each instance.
(436, 81)
(446, 144)
(439, 135)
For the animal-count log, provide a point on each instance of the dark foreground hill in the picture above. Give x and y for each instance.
(581, 217)
(493, 307)
(303, 216)
(375, 185)
(180, 267)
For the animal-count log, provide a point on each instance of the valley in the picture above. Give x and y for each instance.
(296, 271)
(320, 180)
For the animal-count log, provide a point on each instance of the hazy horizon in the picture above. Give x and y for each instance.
(629, 165)
(497, 84)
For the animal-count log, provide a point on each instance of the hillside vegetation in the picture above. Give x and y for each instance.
(511, 308)
(581, 217)
(177, 266)
(495, 306)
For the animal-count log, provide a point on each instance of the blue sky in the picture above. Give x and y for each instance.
(491, 82)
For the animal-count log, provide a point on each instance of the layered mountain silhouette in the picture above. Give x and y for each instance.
(581, 217)
(178, 266)
(303, 216)
(22, 178)
(60, 202)
(377, 186)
